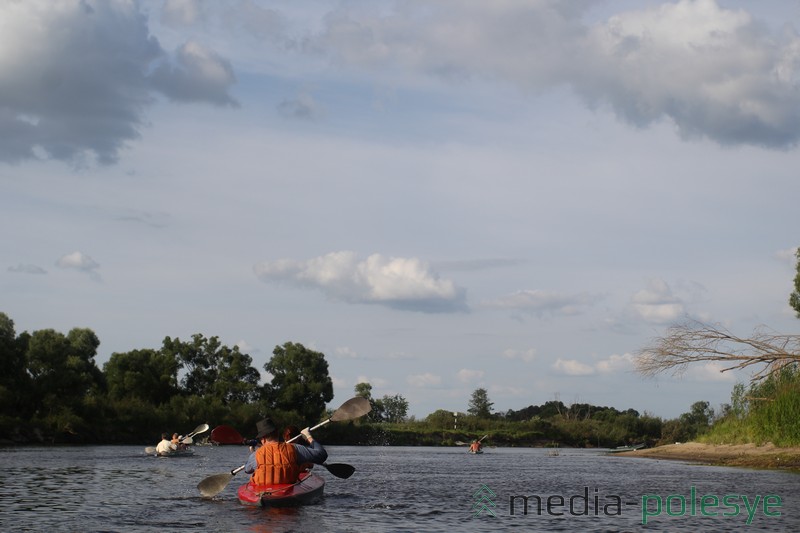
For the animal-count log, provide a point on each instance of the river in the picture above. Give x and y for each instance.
(394, 489)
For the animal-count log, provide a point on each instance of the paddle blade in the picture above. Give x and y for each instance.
(202, 428)
(352, 409)
(149, 450)
(340, 470)
(213, 485)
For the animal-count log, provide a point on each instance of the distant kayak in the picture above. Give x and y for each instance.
(631, 448)
(225, 435)
(186, 452)
(306, 491)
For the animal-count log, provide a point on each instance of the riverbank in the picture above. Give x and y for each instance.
(748, 455)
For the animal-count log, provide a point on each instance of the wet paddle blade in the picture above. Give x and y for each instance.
(352, 409)
(340, 470)
(149, 450)
(213, 485)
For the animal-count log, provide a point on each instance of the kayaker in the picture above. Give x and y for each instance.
(290, 432)
(475, 447)
(178, 442)
(165, 446)
(277, 462)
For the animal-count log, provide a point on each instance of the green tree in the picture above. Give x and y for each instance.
(14, 379)
(147, 375)
(395, 408)
(214, 371)
(300, 383)
(479, 404)
(364, 390)
(64, 375)
(794, 298)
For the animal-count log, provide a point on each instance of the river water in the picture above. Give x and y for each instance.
(394, 489)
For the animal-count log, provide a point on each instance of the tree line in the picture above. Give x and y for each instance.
(51, 390)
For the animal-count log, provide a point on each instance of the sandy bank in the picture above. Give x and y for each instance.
(749, 455)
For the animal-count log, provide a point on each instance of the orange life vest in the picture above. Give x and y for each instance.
(277, 464)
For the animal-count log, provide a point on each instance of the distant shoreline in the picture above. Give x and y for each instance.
(746, 455)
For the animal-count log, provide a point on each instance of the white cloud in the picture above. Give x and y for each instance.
(76, 82)
(466, 375)
(346, 352)
(244, 347)
(523, 355)
(713, 72)
(397, 282)
(424, 380)
(657, 304)
(571, 367)
(789, 255)
(198, 75)
(78, 261)
(374, 381)
(615, 364)
(711, 371)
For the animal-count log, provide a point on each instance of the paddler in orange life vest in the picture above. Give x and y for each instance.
(277, 462)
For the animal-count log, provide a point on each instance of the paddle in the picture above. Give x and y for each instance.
(349, 410)
(202, 428)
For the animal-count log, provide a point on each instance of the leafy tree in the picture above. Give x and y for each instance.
(794, 298)
(14, 380)
(214, 370)
(300, 381)
(479, 404)
(395, 408)
(363, 390)
(147, 375)
(63, 374)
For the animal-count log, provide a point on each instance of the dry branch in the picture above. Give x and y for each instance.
(693, 342)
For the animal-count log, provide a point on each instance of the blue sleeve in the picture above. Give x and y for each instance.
(310, 454)
(251, 464)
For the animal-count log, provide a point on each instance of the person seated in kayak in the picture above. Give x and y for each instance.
(475, 447)
(277, 462)
(178, 442)
(289, 433)
(165, 446)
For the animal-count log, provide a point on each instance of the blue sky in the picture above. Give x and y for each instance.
(439, 196)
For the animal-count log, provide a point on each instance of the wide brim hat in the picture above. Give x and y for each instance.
(265, 427)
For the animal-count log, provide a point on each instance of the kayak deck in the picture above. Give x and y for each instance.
(306, 491)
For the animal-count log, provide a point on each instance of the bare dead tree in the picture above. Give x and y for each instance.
(693, 341)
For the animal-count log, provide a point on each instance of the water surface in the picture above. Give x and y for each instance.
(394, 489)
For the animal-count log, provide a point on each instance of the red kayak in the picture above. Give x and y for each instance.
(307, 490)
(225, 435)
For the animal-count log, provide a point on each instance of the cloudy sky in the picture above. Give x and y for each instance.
(439, 196)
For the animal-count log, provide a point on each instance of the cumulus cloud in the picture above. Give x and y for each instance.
(657, 304)
(523, 355)
(572, 367)
(540, 302)
(424, 380)
(615, 364)
(396, 282)
(466, 375)
(27, 269)
(79, 261)
(76, 78)
(198, 75)
(713, 72)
